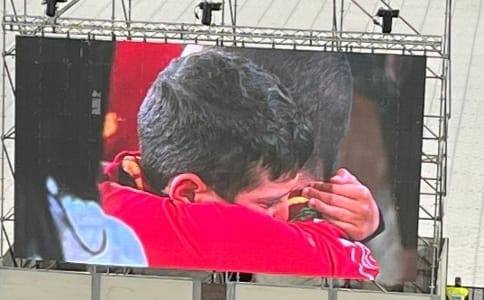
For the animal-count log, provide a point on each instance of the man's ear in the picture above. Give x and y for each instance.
(184, 187)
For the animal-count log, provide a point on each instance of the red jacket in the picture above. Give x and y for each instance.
(228, 237)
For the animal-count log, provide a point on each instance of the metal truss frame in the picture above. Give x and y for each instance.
(435, 48)
(234, 35)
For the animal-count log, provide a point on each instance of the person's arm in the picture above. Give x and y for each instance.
(228, 237)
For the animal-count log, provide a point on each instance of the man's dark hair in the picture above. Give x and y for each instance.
(223, 118)
(321, 84)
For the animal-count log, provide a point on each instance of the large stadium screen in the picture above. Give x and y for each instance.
(261, 161)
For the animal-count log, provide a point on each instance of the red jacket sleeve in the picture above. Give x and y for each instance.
(228, 237)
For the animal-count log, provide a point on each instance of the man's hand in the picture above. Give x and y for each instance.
(346, 203)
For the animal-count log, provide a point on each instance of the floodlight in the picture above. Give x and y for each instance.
(387, 15)
(51, 6)
(207, 8)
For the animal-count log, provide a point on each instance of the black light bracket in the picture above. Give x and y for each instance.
(207, 9)
(387, 15)
(51, 6)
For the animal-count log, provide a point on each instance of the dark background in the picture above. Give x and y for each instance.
(57, 130)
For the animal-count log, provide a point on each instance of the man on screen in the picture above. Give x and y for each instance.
(214, 130)
(320, 83)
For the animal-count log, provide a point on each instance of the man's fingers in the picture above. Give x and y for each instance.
(352, 191)
(355, 205)
(328, 198)
(344, 176)
(333, 212)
